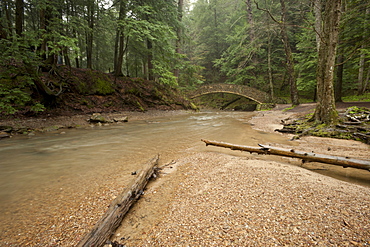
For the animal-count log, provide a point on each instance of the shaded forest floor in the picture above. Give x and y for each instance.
(353, 122)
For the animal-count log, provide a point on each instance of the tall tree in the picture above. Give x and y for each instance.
(180, 10)
(90, 16)
(317, 9)
(5, 19)
(19, 16)
(363, 80)
(291, 76)
(338, 84)
(289, 56)
(120, 38)
(325, 111)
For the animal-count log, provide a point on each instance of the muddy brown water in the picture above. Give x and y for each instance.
(71, 159)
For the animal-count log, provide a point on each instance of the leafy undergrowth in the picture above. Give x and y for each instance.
(354, 124)
(84, 91)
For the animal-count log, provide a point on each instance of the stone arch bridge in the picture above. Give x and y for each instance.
(248, 92)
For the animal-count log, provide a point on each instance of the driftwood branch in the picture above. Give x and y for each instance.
(305, 156)
(112, 218)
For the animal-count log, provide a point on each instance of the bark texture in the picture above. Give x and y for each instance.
(305, 156)
(118, 208)
(325, 110)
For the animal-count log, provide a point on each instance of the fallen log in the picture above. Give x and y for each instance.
(287, 130)
(112, 218)
(305, 156)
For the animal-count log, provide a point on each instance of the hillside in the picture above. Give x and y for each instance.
(69, 91)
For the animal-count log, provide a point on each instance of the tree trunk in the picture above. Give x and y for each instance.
(305, 156)
(325, 111)
(340, 68)
(361, 69)
(269, 66)
(116, 44)
(77, 61)
(119, 63)
(271, 84)
(112, 218)
(121, 39)
(43, 27)
(180, 6)
(90, 33)
(46, 17)
(289, 57)
(66, 57)
(250, 20)
(150, 60)
(19, 17)
(339, 79)
(317, 9)
(5, 24)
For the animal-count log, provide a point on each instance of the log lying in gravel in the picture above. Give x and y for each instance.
(112, 218)
(305, 156)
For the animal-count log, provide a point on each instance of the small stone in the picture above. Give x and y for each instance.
(121, 119)
(3, 134)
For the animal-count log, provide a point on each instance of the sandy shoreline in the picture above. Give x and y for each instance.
(216, 199)
(53, 123)
(224, 200)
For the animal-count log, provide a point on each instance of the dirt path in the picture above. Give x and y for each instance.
(216, 199)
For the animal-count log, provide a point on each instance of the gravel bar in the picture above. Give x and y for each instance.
(224, 200)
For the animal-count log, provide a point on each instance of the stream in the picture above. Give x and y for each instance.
(71, 159)
(28, 164)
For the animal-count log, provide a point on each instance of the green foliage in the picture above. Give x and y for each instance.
(190, 76)
(103, 87)
(95, 83)
(364, 98)
(165, 76)
(16, 83)
(355, 110)
(306, 56)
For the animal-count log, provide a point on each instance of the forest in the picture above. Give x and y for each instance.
(310, 50)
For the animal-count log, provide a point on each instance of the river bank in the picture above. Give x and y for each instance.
(220, 198)
(208, 196)
(47, 123)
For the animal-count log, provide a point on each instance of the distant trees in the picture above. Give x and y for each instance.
(130, 37)
(252, 52)
(236, 46)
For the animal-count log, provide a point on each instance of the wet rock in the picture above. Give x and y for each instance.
(3, 134)
(98, 118)
(120, 119)
(52, 128)
(7, 129)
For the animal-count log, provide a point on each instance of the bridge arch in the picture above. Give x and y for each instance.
(248, 92)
